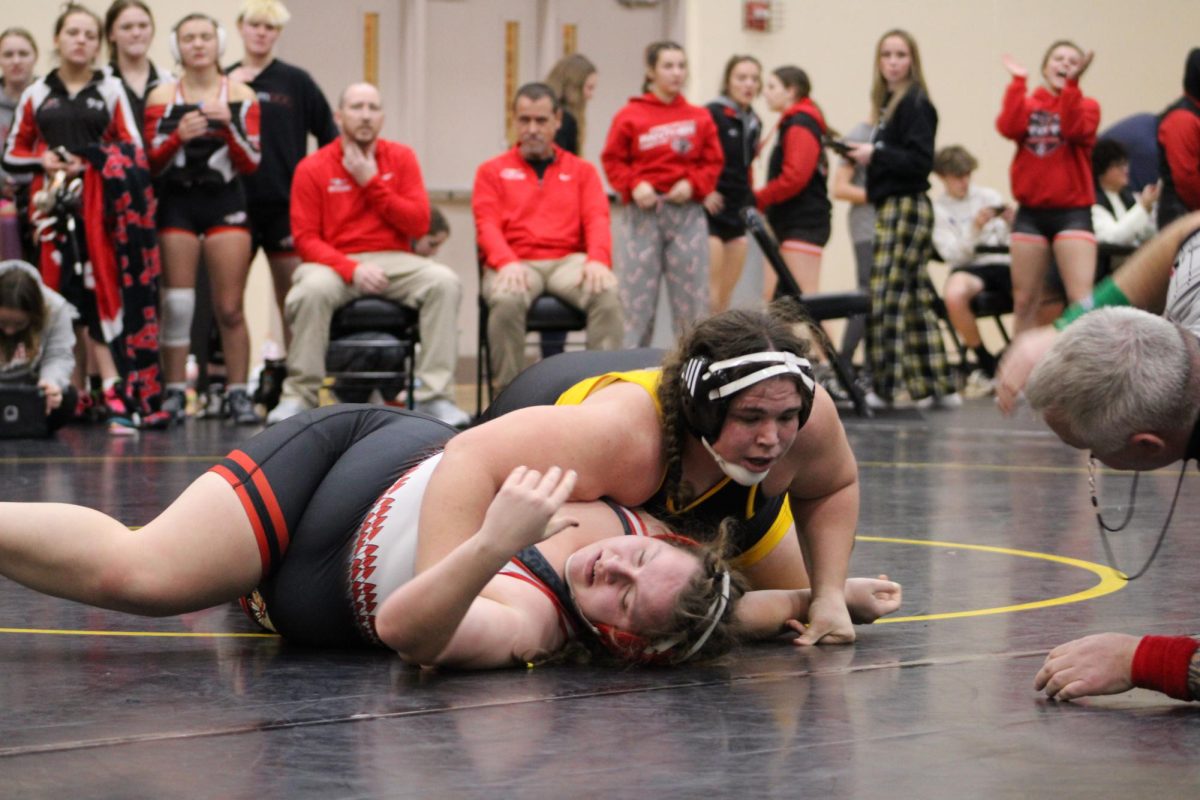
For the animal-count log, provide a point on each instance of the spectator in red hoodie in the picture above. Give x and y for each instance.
(1179, 148)
(1055, 129)
(663, 157)
(795, 197)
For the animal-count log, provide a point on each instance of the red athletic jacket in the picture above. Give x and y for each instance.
(333, 217)
(800, 149)
(1052, 167)
(662, 143)
(519, 217)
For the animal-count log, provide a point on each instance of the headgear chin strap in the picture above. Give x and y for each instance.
(737, 473)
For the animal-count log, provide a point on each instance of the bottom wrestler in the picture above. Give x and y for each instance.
(315, 523)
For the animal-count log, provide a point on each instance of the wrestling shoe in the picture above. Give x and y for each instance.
(240, 408)
(446, 411)
(214, 402)
(174, 405)
(114, 402)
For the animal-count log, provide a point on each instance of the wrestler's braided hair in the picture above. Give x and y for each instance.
(726, 335)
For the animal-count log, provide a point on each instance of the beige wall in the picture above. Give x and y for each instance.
(441, 66)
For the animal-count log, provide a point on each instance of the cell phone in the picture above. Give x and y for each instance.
(1000, 209)
(838, 146)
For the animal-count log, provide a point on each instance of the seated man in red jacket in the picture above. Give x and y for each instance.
(542, 225)
(357, 205)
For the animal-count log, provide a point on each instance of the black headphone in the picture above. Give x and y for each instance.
(709, 387)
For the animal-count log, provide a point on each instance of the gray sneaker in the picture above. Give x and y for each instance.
(444, 410)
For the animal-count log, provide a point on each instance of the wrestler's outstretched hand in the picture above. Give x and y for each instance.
(1098, 664)
(526, 509)
(828, 622)
(1017, 364)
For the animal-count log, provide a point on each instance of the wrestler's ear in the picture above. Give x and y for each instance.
(1147, 444)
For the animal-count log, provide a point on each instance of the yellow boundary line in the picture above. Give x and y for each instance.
(1110, 579)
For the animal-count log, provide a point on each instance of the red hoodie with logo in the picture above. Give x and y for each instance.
(1055, 134)
(662, 143)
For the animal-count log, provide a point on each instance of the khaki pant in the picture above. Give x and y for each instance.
(561, 278)
(317, 291)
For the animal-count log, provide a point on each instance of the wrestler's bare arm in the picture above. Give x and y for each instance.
(824, 498)
(1194, 675)
(613, 442)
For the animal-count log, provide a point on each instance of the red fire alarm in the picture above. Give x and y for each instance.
(757, 16)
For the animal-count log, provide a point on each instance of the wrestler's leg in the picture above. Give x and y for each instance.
(199, 552)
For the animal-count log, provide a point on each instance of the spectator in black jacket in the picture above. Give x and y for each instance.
(904, 343)
(292, 106)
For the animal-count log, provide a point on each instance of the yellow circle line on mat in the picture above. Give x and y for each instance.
(1110, 579)
(163, 634)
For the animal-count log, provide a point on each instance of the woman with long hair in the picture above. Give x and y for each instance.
(740, 130)
(202, 133)
(1054, 129)
(663, 157)
(60, 121)
(795, 196)
(573, 79)
(18, 58)
(128, 32)
(37, 342)
(315, 523)
(904, 343)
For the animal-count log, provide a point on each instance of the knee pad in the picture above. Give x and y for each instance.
(179, 306)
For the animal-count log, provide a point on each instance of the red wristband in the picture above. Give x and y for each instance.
(1161, 663)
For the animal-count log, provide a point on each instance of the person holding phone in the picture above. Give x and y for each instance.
(37, 341)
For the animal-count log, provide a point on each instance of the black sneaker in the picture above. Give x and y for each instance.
(174, 405)
(240, 408)
(214, 402)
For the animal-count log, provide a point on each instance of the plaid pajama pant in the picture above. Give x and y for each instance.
(904, 343)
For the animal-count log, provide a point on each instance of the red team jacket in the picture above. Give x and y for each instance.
(333, 217)
(519, 217)
(662, 143)
(1052, 167)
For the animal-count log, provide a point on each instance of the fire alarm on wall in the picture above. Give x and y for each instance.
(761, 15)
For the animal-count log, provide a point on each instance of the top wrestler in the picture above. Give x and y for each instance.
(731, 425)
(316, 521)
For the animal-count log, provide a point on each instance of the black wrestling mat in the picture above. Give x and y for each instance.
(985, 521)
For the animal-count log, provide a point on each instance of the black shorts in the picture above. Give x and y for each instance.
(995, 277)
(271, 227)
(202, 210)
(816, 235)
(1048, 224)
(545, 381)
(306, 484)
(724, 227)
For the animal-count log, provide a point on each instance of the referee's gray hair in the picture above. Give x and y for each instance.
(1115, 372)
